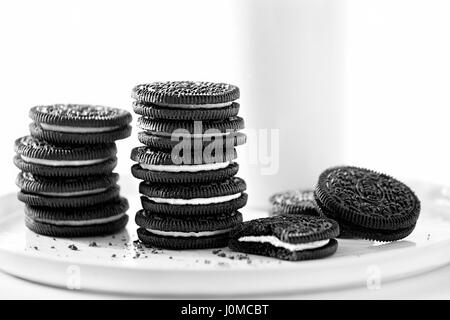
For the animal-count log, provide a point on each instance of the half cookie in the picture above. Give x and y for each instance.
(171, 232)
(367, 204)
(194, 199)
(288, 237)
(96, 220)
(42, 158)
(79, 124)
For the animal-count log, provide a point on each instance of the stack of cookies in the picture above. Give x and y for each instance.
(66, 177)
(190, 195)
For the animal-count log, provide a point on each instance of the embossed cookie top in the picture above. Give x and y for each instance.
(363, 196)
(32, 147)
(185, 92)
(80, 115)
(290, 228)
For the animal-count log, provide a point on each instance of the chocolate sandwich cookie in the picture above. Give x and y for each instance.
(79, 124)
(164, 167)
(295, 202)
(287, 237)
(96, 220)
(191, 129)
(367, 204)
(155, 111)
(194, 199)
(233, 139)
(190, 95)
(66, 193)
(171, 232)
(42, 158)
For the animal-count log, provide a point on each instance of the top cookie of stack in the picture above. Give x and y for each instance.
(202, 111)
(79, 124)
(189, 194)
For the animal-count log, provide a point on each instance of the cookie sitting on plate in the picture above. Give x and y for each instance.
(287, 237)
(367, 204)
(66, 179)
(190, 194)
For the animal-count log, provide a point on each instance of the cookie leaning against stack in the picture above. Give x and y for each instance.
(367, 204)
(66, 179)
(190, 195)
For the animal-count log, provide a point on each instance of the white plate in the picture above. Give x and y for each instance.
(118, 265)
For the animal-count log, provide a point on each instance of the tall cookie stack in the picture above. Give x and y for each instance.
(190, 195)
(66, 177)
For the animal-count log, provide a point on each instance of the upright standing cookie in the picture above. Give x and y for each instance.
(287, 237)
(79, 124)
(367, 204)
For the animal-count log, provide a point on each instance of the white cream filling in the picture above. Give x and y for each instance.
(185, 168)
(188, 234)
(79, 223)
(196, 106)
(73, 193)
(69, 129)
(187, 135)
(63, 163)
(195, 201)
(280, 244)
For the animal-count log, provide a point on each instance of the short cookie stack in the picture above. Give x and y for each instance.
(190, 195)
(66, 177)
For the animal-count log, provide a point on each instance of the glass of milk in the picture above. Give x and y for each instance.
(290, 75)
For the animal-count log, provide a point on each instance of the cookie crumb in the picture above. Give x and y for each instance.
(93, 244)
(73, 247)
(222, 255)
(113, 256)
(36, 248)
(136, 255)
(52, 247)
(110, 244)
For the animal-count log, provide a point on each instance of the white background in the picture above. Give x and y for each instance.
(395, 69)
